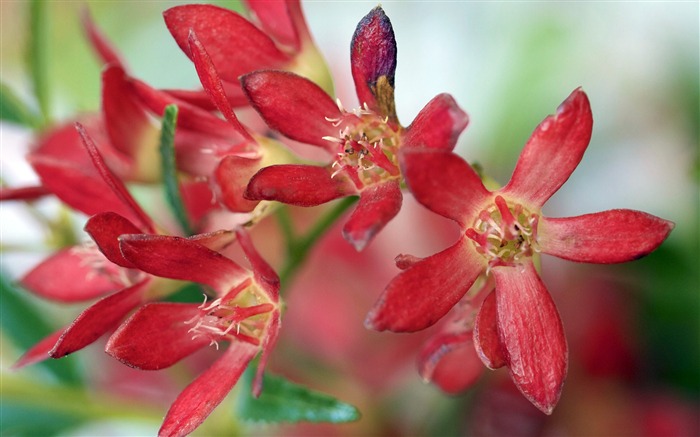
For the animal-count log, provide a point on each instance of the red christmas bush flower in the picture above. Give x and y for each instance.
(364, 142)
(518, 325)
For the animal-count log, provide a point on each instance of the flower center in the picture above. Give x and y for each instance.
(367, 146)
(241, 314)
(505, 233)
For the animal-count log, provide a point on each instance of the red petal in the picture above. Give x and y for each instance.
(614, 236)
(216, 241)
(232, 177)
(444, 183)
(271, 336)
(449, 362)
(292, 105)
(420, 295)
(68, 276)
(105, 229)
(199, 98)
(101, 317)
(235, 45)
(200, 398)
(486, 341)
(276, 20)
(23, 193)
(180, 258)
(156, 336)
(372, 56)
(99, 43)
(532, 334)
(553, 151)
(40, 351)
(212, 83)
(437, 125)
(378, 204)
(300, 185)
(264, 274)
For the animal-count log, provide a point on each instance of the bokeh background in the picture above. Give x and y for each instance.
(633, 330)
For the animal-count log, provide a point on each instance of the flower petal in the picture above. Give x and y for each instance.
(40, 351)
(292, 105)
(180, 258)
(98, 319)
(69, 275)
(235, 45)
(27, 194)
(437, 125)
(232, 176)
(269, 341)
(264, 274)
(99, 43)
(449, 361)
(156, 336)
(276, 20)
(378, 204)
(553, 151)
(444, 183)
(200, 398)
(373, 62)
(420, 295)
(300, 185)
(216, 240)
(105, 229)
(486, 340)
(532, 334)
(613, 236)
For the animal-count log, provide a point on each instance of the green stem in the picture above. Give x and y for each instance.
(38, 55)
(298, 248)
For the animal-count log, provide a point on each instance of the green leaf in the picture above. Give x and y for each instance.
(13, 110)
(167, 155)
(23, 324)
(284, 401)
(38, 54)
(26, 420)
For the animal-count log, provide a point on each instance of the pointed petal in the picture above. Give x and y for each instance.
(199, 98)
(449, 361)
(444, 183)
(105, 229)
(23, 193)
(40, 351)
(156, 336)
(437, 125)
(235, 45)
(300, 185)
(200, 398)
(180, 258)
(99, 43)
(553, 151)
(532, 333)
(486, 340)
(212, 83)
(276, 20)
(373, 62)
(216, 241)
(292, 105)
(614, 236)
(98, 319)
(420, 295)
(273, 331)
(232, 176)
(264, 274)
(70, 275)
(378, 204)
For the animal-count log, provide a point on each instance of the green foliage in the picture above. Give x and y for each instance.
(13, 110)
(284, 401)
(38, 54)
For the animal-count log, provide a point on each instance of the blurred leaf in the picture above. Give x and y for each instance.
(13, 110)
(190, 293)
(284, 401)
(38, 54)
(170, 180)
(26, 420)
(25, 326)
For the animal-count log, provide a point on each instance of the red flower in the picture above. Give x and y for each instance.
(246, 312)
(518, 325)
(363, 142)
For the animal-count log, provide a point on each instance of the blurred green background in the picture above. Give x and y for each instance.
(508, 64)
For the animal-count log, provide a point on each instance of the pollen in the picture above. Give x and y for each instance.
(505, 233)
(366, 146)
